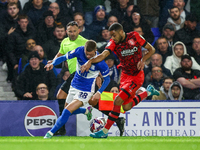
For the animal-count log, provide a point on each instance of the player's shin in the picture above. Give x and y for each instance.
(113, 116)
(61, 120)
(138, 98)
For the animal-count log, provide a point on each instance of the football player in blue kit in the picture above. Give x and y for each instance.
(83, 84)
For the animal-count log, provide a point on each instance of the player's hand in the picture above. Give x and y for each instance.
(48, 67)
(27, 94)
(140, 65)
(50, 61)
(86, 66)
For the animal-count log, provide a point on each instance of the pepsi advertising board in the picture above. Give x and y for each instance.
(31, 118)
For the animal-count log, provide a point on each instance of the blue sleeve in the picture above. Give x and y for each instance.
(59, 60)
(105, 83)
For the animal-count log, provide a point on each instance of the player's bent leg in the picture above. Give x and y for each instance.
(113, 116)
(61, 96)
(74, 105)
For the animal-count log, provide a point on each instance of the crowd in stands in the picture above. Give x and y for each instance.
(31, 35)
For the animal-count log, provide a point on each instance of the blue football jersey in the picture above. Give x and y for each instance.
(86, 81)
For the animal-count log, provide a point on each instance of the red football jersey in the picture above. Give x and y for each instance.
(128, 51)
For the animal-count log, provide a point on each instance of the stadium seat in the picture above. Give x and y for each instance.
(156, 34)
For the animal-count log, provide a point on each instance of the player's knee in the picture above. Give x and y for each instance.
(92, 102)
(118, 101)
(126, 107)
(66, 105)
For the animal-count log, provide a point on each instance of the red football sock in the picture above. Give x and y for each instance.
(113, 115)
(138, 98)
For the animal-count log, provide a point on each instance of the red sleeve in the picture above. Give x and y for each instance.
(140, 39)
(110, 46)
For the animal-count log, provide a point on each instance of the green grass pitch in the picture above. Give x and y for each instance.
(111, 143)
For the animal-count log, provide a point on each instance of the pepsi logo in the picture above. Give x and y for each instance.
(39, 120)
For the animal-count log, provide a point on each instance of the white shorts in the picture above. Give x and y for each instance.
(79, 95)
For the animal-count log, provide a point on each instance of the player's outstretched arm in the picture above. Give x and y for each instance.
(151, 51)
(97, 59)
(55, 62)
(57, 55)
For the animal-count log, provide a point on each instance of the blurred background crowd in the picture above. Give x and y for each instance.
(31, 34)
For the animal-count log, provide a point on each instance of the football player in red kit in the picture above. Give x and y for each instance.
(128, 49)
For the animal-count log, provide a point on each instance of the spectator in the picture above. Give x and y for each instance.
(35, 13)
(140, 29)
(83, 30)
(68, 8)
(196, 49)
(58, 17)
(173, 62)
(167, 81)
(114, 89)
(163, 48)
(111, 20)
(156, 78)
(103, 40)
(188, 78)
(120, 10)
(113, 71)
(181, 6)
(99, 21)
(46, 28)
(194, 9)
(150, 10)
(42, 92)
(176, 91)
(52, 46)
(33, 75)
(16, 44)
(88, 9)
(16, 1)
(168, 32)
(29, 5)
(138, 20)
(156, 60)
(42, 56)
(188, 32)
(30, 44)
(175, 18)
(8, 25)
(165, 5)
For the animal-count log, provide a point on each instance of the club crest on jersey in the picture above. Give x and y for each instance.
(72, 51)
(131, 42)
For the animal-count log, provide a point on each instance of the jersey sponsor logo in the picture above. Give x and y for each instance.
(128, 52)
(131, 42)
(39, 120)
